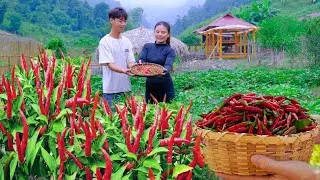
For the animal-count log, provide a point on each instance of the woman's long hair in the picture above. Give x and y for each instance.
(165, 24)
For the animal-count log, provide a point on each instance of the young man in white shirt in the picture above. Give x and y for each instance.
(116, 57)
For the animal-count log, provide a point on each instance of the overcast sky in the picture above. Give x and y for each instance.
(157, 3)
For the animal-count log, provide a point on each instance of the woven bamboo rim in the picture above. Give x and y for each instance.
(135, 71)
(230, 153)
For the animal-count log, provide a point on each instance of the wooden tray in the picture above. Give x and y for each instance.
(147, 69)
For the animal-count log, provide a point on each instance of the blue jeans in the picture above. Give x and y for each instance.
(112, 96)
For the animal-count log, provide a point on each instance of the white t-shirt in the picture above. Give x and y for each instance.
(117, 51)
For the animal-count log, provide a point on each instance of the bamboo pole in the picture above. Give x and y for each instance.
(245, 44)
(207, 39)
(254, 44)
(214, 45)
(236, 43)
(220, 44)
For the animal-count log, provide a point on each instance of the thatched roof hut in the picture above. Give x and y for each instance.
(141, 35)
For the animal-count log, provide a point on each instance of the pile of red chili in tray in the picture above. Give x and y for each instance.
(261, 115)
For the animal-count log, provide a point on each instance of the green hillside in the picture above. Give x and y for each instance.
(297, 9)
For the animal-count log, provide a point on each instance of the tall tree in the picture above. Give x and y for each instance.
(100, 11)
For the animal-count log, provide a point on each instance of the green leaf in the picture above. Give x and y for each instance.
(51, 162)
(152, 163)
(36, 108)
(30, 147)
(122, 146)
(145, 136)
(1, 174)
(35, 152)
(72, 177)
(43, 118)
(143, 169)
(181, 168)
(118, 175)
(116, 157)
(98, 143)
(17, 102)
(127, 177)
(64, 112)
(76, 145)
(158, 150)
(300, 124)
(58, 126)
(3, 96)
(31, 120)
(13, 165)
(131, 155)
(53, 146)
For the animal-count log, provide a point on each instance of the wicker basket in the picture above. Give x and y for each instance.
(154, 69)
(230, 153)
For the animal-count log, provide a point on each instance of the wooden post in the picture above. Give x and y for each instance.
(220, 44)
(214, 45)
(240, 43)
(254, 44)
(207, 39)
(236, 43)
(245, 44)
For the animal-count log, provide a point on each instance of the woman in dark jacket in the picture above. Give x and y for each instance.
(160, 52)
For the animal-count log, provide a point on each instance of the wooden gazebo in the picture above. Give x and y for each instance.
(227, 37)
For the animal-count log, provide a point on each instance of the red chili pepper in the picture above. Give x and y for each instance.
(18, 144)
(170, 149)
(80, 101)
(166, 174)
(59, 94)
(10, 142)
(150, 140)
(25, 135)
(71, 142)
(266, 131)
(293, 110)
(98, 174)
(9, 99)
(128, 140)
(88, 94)
(260, 130)
(151, 175)
(23, 63)
(88, 139)
(13, 89)
(235, 127)
(136, 144)
(189, 107)
(154, 99)
(108, 171)
(61, 171)
(75, 159)
(129, 166)
(93, 112)
(137, 118)
(88, 174)
(307, 128)
(107, 108)
(189, 129)
(3, 129)
(42, 130)
(101, 130)
(178, 117)
(289, 120)
(248, 108)
(235, 96)
(269, 105)
(177, 141)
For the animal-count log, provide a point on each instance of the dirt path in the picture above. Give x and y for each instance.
(213, 64)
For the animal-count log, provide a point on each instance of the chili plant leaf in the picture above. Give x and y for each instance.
(158, 150)
(13, 165)
(300, 124)
(118, 175)
(30, 147)
(49, 160)
(180, 168)
(152, 163)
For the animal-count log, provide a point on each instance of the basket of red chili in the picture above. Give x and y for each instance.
(247, 124)
(147, 69)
